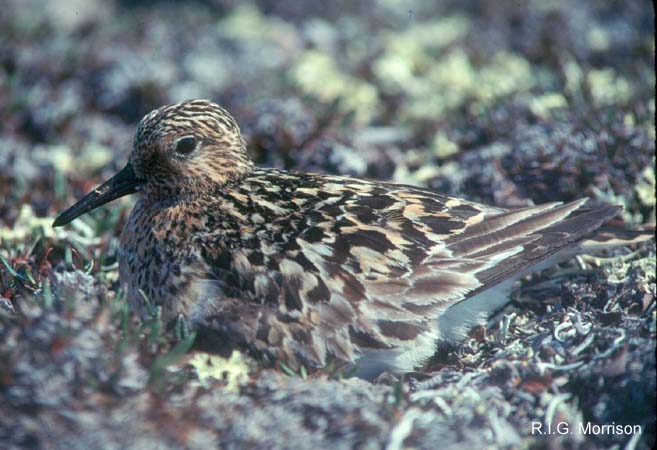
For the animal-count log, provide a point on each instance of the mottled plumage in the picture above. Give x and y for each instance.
(309, 269)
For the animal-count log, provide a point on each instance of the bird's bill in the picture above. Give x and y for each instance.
(123, 183)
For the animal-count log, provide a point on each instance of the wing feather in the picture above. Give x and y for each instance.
(362, 265)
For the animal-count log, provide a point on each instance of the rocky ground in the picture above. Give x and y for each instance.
(503, 102)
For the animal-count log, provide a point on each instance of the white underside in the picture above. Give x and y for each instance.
(455, 323)
(452, 326)
(372, 363)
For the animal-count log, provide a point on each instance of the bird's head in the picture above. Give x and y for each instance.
(180, 150)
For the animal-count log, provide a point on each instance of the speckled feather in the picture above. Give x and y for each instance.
(309, 269)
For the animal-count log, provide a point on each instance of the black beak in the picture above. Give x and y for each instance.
(123, 183)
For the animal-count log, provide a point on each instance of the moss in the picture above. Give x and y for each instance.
(410, 53)
(26, 225)
(453, 81)
(442, 147)
(417, 171)
(645, 188)
(649, 124)
(233, 370)
(317, 74)
(643, 278)
(597, 38)
(607, 87)
(543, 106)
(609, 197)
(574, 76)
(247, 23)
(427, 36)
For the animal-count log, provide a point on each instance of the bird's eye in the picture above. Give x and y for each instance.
(186, 145)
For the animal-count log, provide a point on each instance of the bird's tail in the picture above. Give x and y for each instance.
(550, 235)
(614, 234)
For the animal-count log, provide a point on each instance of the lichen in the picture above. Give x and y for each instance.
(317, 74)
(607, 87)
(233, 370)
(543, 105)
(26, 225)
(442, 147)
(645, 187)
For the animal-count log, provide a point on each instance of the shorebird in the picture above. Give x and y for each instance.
(311, 269)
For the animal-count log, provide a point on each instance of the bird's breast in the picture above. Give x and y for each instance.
(157, 264)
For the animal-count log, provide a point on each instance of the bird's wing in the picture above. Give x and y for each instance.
(372, 265)
(403, 258)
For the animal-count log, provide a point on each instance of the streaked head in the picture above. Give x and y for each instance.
(185, 149)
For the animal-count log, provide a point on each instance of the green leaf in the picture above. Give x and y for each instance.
(11, 270)
(287, 370)
(47, 293)
(171, 357)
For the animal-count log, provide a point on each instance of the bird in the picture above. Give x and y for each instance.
(311, 270)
